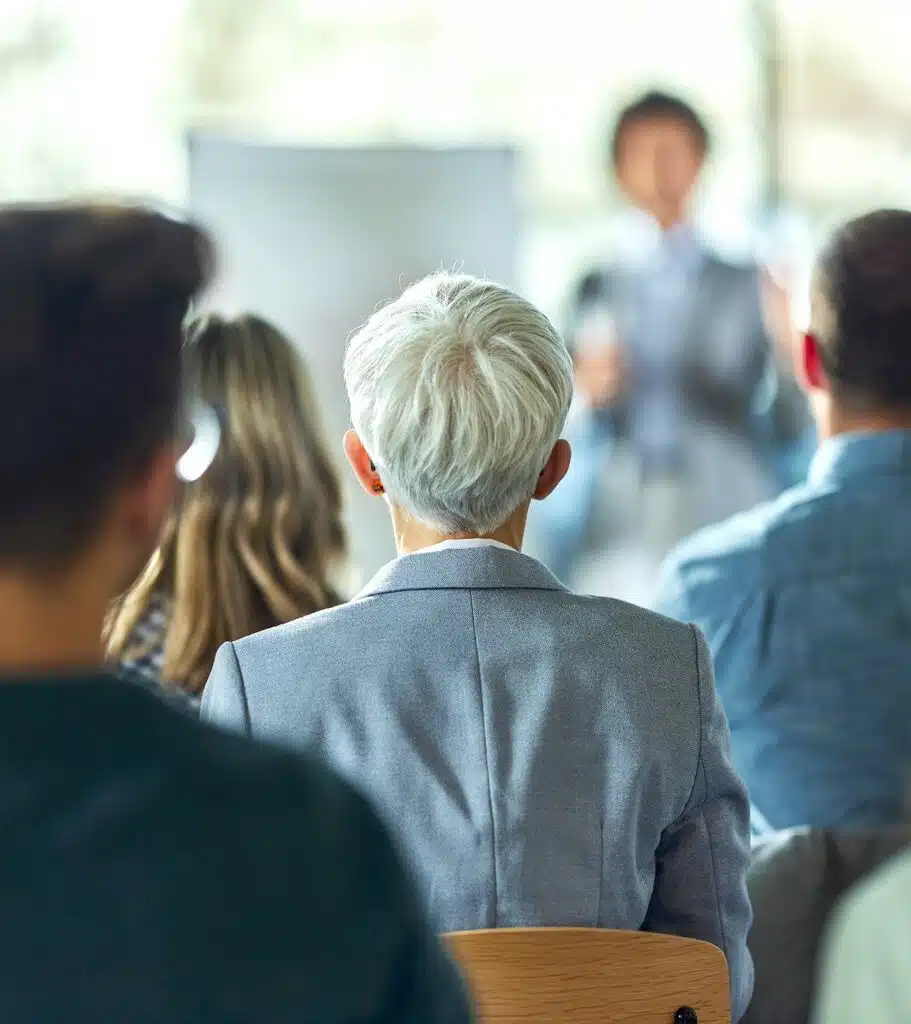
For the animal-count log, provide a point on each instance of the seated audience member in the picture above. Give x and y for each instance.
(546, 759)
(151, 870)
(254, 541)
(806, 602)
(864, 975)
(795, 880)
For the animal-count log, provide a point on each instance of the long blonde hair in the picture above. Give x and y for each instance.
(254, 541)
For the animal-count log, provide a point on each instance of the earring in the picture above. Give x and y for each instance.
(378, 488)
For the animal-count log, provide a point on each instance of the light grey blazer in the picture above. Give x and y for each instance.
(544, 758)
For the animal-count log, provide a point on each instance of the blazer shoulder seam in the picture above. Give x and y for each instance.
(242, 691)
(493, 823)
(694, 633)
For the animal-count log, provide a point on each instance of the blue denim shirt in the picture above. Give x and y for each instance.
(806, 604)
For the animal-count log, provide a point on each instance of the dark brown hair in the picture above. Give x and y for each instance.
(657, 106)
(862, 310)
(91, 304)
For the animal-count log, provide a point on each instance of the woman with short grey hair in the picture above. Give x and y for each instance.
(544, 758)
(458, 391)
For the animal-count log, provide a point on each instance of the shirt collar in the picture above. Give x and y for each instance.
(487, 564)
(861, 454)
(680, 247)
(468, 542)
(642, 243)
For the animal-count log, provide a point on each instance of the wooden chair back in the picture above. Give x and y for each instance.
(592, 976)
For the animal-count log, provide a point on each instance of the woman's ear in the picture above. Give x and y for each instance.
(362, 464)
(554, 470)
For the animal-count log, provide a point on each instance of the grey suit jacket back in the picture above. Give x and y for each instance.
(545, 758)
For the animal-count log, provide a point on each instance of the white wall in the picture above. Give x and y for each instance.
(316, 238)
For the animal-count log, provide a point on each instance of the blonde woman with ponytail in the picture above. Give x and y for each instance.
(258, 539)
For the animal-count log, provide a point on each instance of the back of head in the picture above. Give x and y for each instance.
(861, 312)
(254, 540)
(459, 390)
(92, 299)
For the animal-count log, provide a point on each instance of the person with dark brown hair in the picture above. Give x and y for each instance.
(259, 538)
(151, 869)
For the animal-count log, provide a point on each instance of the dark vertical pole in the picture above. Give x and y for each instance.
(767, 35)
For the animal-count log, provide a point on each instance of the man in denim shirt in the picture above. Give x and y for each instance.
(806, 601)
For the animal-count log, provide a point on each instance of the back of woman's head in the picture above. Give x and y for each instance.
(459, 390)
(253, 542)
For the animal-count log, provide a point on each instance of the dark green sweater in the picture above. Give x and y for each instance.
(155, 870)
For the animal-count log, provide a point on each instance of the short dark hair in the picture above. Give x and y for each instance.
(862, 310)
(658, 106)
(92, 301)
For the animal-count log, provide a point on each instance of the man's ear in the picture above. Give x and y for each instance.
(554, 470)
(362, 464)
(147, 500)
(810, 370)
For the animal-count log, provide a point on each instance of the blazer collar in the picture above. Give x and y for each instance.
(462, 568)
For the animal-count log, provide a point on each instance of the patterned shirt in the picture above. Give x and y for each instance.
(147, 641)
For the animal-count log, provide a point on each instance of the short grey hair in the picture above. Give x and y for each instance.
(459, 390)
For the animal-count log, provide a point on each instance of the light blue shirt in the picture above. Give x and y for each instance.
(663, 288)
(806, 605)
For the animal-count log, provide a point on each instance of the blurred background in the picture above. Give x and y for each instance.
(808, 101)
